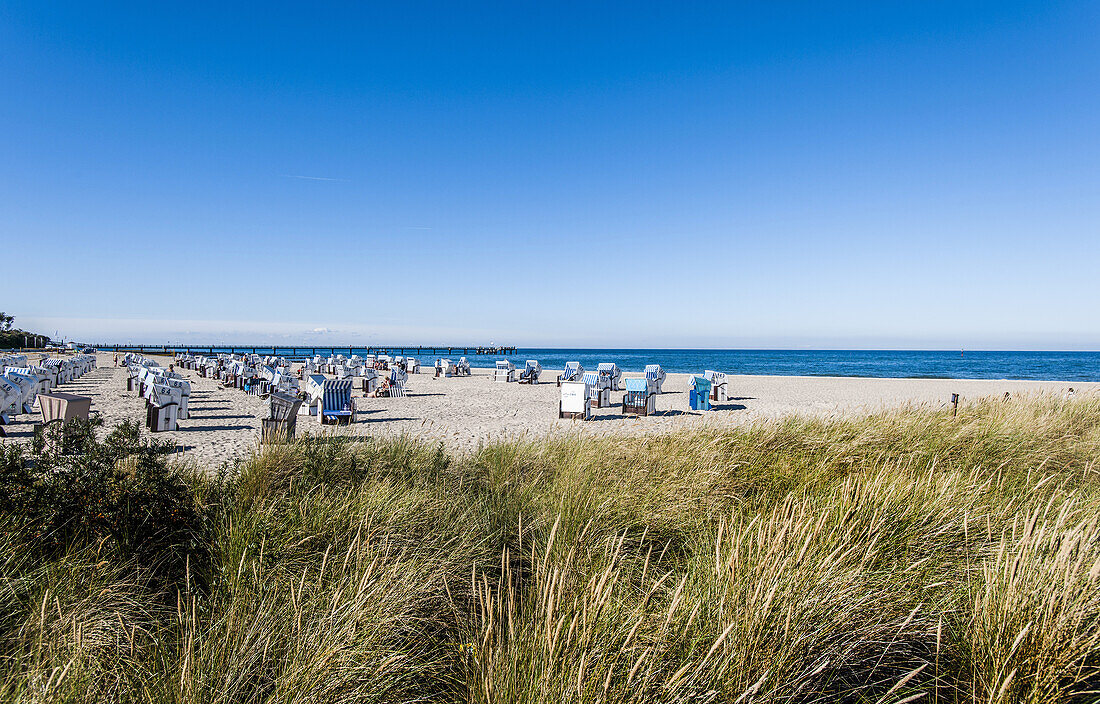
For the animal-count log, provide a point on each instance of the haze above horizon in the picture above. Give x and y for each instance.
(779, 175)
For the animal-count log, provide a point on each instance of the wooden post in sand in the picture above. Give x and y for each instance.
(955, 403)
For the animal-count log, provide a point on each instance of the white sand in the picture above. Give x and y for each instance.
(462, 412)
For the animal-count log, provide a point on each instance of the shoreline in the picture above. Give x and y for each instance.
(462, 413)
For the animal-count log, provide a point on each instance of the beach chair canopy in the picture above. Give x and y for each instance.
(591, 378)
(636, 385)
(700, 384)
(573, 370)
(505, 364)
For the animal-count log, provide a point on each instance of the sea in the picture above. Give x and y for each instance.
(910, 364)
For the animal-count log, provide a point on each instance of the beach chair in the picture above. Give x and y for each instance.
(576, 401)
(531, 372)
(184, 387)
(412, 365)
(444, 368)
(699, 394)
(10, 401)
(60, 407)
(370, 379)
(655, 375)
(639, 398)
(462, 368)
(383, 362)
(161, 408)
(280, 426)
(505, 371)
(598, 389)
(337, 405)
(314, 388)
(718, 392)
(398, 377)
(27, 393)
(611, 372)
(573, 372)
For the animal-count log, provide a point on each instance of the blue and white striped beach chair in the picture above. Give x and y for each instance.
(610, 372)
(655, 375)
(598, 391)
(718, 388)
(573, 372)
(531, 372)
(398, 377)
(337, 405)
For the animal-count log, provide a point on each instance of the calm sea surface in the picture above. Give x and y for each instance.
(1051, 366)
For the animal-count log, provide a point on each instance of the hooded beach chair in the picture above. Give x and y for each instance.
(611, 372)
(505, 371)
(412, 365)
(718, 389)
(39, 374)
(576, 401)
(573, 372)
(337, 405)
(531, 372)
(370, 379)
(11, 399)
(639, 398)
(655, 375)
(161, 408)
(283, 419)
(699, 394)
(598, 389)
(462, 368)
(398, 377)
(184, 387)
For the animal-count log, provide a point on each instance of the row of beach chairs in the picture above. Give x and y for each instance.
(165, 391)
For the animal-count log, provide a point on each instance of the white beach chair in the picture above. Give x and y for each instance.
(718, 388)
(639, 399)
(412, 365)
(398, 377)
(531, 372)
(314, 388)
(39, 374)
(655, 375)
(576, 401)
(598, 389)
(27, 390)
(462, 368)
(611, 372)
(505, 371)
(370, 379)
(573, 372)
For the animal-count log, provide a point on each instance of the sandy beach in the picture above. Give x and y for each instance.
(463, 412)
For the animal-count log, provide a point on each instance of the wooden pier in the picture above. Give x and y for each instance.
(301, 352)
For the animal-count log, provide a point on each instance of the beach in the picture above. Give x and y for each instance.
(462, 413)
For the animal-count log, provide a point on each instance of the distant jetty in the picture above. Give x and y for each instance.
(302, 351)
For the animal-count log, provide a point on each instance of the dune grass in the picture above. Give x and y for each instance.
(905, 556)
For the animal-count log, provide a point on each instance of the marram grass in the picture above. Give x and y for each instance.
(904, 556)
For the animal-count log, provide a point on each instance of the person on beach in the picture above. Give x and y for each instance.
(116, 359)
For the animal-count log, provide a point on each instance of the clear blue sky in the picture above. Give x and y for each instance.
(769, 174)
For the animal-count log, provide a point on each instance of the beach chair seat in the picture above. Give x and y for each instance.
(280, 425)
(699, 394)
(576, 401)
(462, 367)
(598, 389)
(505, 371)
(161, 408)
(573, 372)
(639, 398)
(337, 404)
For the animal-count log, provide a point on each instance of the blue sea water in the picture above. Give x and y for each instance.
(1049, 366)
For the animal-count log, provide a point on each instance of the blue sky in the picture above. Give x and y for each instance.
(880, 174)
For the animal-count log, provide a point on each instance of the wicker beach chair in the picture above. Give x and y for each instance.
(531, 372)
(573, 372)
(337, 405)
(639, 398)
(655, 375)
